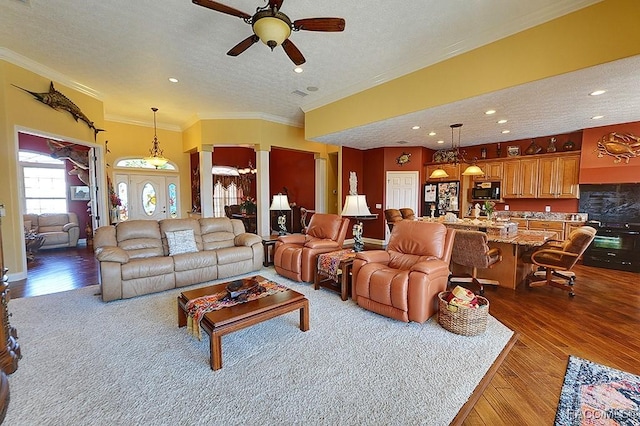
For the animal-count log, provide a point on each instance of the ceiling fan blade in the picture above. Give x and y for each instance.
(292, 52)
(243, 45)
(218, 7)
(320, 24)
(275, 4)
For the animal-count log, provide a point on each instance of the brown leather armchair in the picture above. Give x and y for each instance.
(295, 255)
(403, 282)
(556, 258)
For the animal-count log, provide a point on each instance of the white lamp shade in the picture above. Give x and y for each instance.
(356, 205)
(280, 202)
(272, 29)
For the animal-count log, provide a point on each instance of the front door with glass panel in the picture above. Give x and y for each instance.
(147, 197)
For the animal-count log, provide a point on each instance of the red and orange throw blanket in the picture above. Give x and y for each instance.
(328, 262)
(198, 308)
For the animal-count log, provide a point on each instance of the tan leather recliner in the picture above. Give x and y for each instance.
(295, 255)
(403, 282)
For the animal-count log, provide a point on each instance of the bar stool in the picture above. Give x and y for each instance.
(470, 249)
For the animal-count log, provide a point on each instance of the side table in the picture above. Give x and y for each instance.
(268, 243)
(342, 281)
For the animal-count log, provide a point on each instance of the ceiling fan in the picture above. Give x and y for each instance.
(274, 27)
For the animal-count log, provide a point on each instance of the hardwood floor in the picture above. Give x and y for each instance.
(57, 270)
(600, 324)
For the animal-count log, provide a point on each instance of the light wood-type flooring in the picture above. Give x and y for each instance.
(601, 323)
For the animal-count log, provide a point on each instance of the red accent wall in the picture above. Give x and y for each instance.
(295, 171)
(594, 169)
(80, 208)
(523, 144)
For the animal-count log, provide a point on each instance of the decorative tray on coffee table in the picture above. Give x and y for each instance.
(242, 287)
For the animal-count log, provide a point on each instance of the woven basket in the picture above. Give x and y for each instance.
(464, 321)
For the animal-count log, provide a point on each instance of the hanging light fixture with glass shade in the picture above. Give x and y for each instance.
(156, 159)
(454, 156)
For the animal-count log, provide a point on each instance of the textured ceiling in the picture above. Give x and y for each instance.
(124, 51)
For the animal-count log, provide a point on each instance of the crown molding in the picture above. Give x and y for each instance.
(524, 23)
(243, 116)
(126, 120)
(44, 71)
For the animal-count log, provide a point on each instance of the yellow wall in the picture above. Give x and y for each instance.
(601, 33)
(21, 110)
(128, 140)
(251, 132)
(18, 110)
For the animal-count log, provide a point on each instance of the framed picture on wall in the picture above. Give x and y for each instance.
(513, 151)
(79, 193)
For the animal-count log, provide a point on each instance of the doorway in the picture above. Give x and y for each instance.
(145, 196)
(401, 191)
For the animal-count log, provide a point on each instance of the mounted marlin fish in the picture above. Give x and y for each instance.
(60, 102)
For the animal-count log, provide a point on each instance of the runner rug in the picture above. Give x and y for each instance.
(594, 394)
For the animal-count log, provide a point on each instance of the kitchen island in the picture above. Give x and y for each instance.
(511, 271)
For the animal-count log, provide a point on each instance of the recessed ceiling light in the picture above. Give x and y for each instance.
(415, 127)
(312, 88)
(597, 117)
(489, 112)
(597, 92)
(432, 133)
(173, 79)
(501, 121)
(506, 131)
(298, 70)
(440, 141)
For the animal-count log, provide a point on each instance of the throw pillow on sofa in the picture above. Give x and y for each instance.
(181, 242)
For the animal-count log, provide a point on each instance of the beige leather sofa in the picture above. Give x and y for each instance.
(58, 229)
(145, 256)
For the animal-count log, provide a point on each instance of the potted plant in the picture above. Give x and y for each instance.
(248, 205)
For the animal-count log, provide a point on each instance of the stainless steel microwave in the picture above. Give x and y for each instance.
(486, 190)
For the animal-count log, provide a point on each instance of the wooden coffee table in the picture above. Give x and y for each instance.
(227, 320)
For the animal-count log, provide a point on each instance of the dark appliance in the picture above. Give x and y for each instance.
(615, 246)
(441, 198)
(486, 190)
(614, 210)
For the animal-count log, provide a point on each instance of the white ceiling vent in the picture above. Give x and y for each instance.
(299, 93)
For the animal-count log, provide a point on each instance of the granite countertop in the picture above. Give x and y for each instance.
(524, 237)
(551, 217)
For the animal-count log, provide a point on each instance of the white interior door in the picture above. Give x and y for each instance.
(149, 196)
(402, 191)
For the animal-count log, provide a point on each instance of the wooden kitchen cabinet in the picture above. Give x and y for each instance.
(453, 170)
(558, 177)
(546, 225)
(520, 179)
(493, 170)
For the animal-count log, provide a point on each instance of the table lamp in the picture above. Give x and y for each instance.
(355, 207)
(280, 203)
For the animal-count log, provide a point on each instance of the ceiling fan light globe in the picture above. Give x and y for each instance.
(272, 31)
